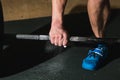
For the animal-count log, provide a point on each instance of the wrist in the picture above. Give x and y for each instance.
(57, 23)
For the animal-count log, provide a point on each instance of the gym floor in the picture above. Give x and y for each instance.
(29, 60)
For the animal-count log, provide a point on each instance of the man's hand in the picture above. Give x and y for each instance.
(58, 36)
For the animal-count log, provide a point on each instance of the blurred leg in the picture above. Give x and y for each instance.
(98, 11)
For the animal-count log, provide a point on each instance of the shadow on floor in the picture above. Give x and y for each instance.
(113, 53)
(22, 55)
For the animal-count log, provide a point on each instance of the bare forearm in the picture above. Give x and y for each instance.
(58, 7)
(58, 35)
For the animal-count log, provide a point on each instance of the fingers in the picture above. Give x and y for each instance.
(59, 40)
(65, 40)
(58, 36)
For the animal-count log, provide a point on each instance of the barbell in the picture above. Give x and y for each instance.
(49, 48)
(71, 38)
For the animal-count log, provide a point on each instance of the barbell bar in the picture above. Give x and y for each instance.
(71, 38)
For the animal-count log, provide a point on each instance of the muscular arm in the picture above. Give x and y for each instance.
(58, 7)
(58, 36)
